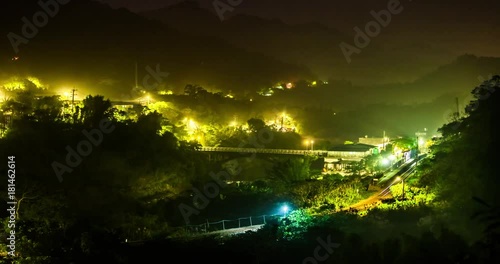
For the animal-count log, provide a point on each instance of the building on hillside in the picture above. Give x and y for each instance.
(341, 156)
(123, 105)
(380, 143)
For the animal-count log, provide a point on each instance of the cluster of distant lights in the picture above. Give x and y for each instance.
(67, 94)
(148, 99)
(288, 86)
(13, 85)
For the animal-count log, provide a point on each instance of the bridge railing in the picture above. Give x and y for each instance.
(348, 156)
(264, 150)
(230, 224)
(141, 236)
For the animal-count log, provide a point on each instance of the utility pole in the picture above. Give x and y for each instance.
(383, 141)
(419, 136)
(136, 78)
(73, 99)
(458, 109)
(418, 152)
(403, 182)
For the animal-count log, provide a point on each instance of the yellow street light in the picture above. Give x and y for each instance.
(311, 142)
(192, 124)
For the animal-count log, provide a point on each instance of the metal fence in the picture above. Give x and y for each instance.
(230, 224)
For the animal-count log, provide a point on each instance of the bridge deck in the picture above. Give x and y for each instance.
(264, 150)
(352, 156)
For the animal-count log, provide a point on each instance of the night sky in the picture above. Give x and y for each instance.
(459, 26)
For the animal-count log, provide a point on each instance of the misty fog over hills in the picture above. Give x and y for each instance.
(243, 55)
(391, 55)
(250, 131)
(113, 40)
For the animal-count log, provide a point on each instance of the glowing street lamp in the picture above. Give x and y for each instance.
(307, 142)
(392, 159)
(192, 124)
(65, 95)
(148, 99)
(285, 209)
